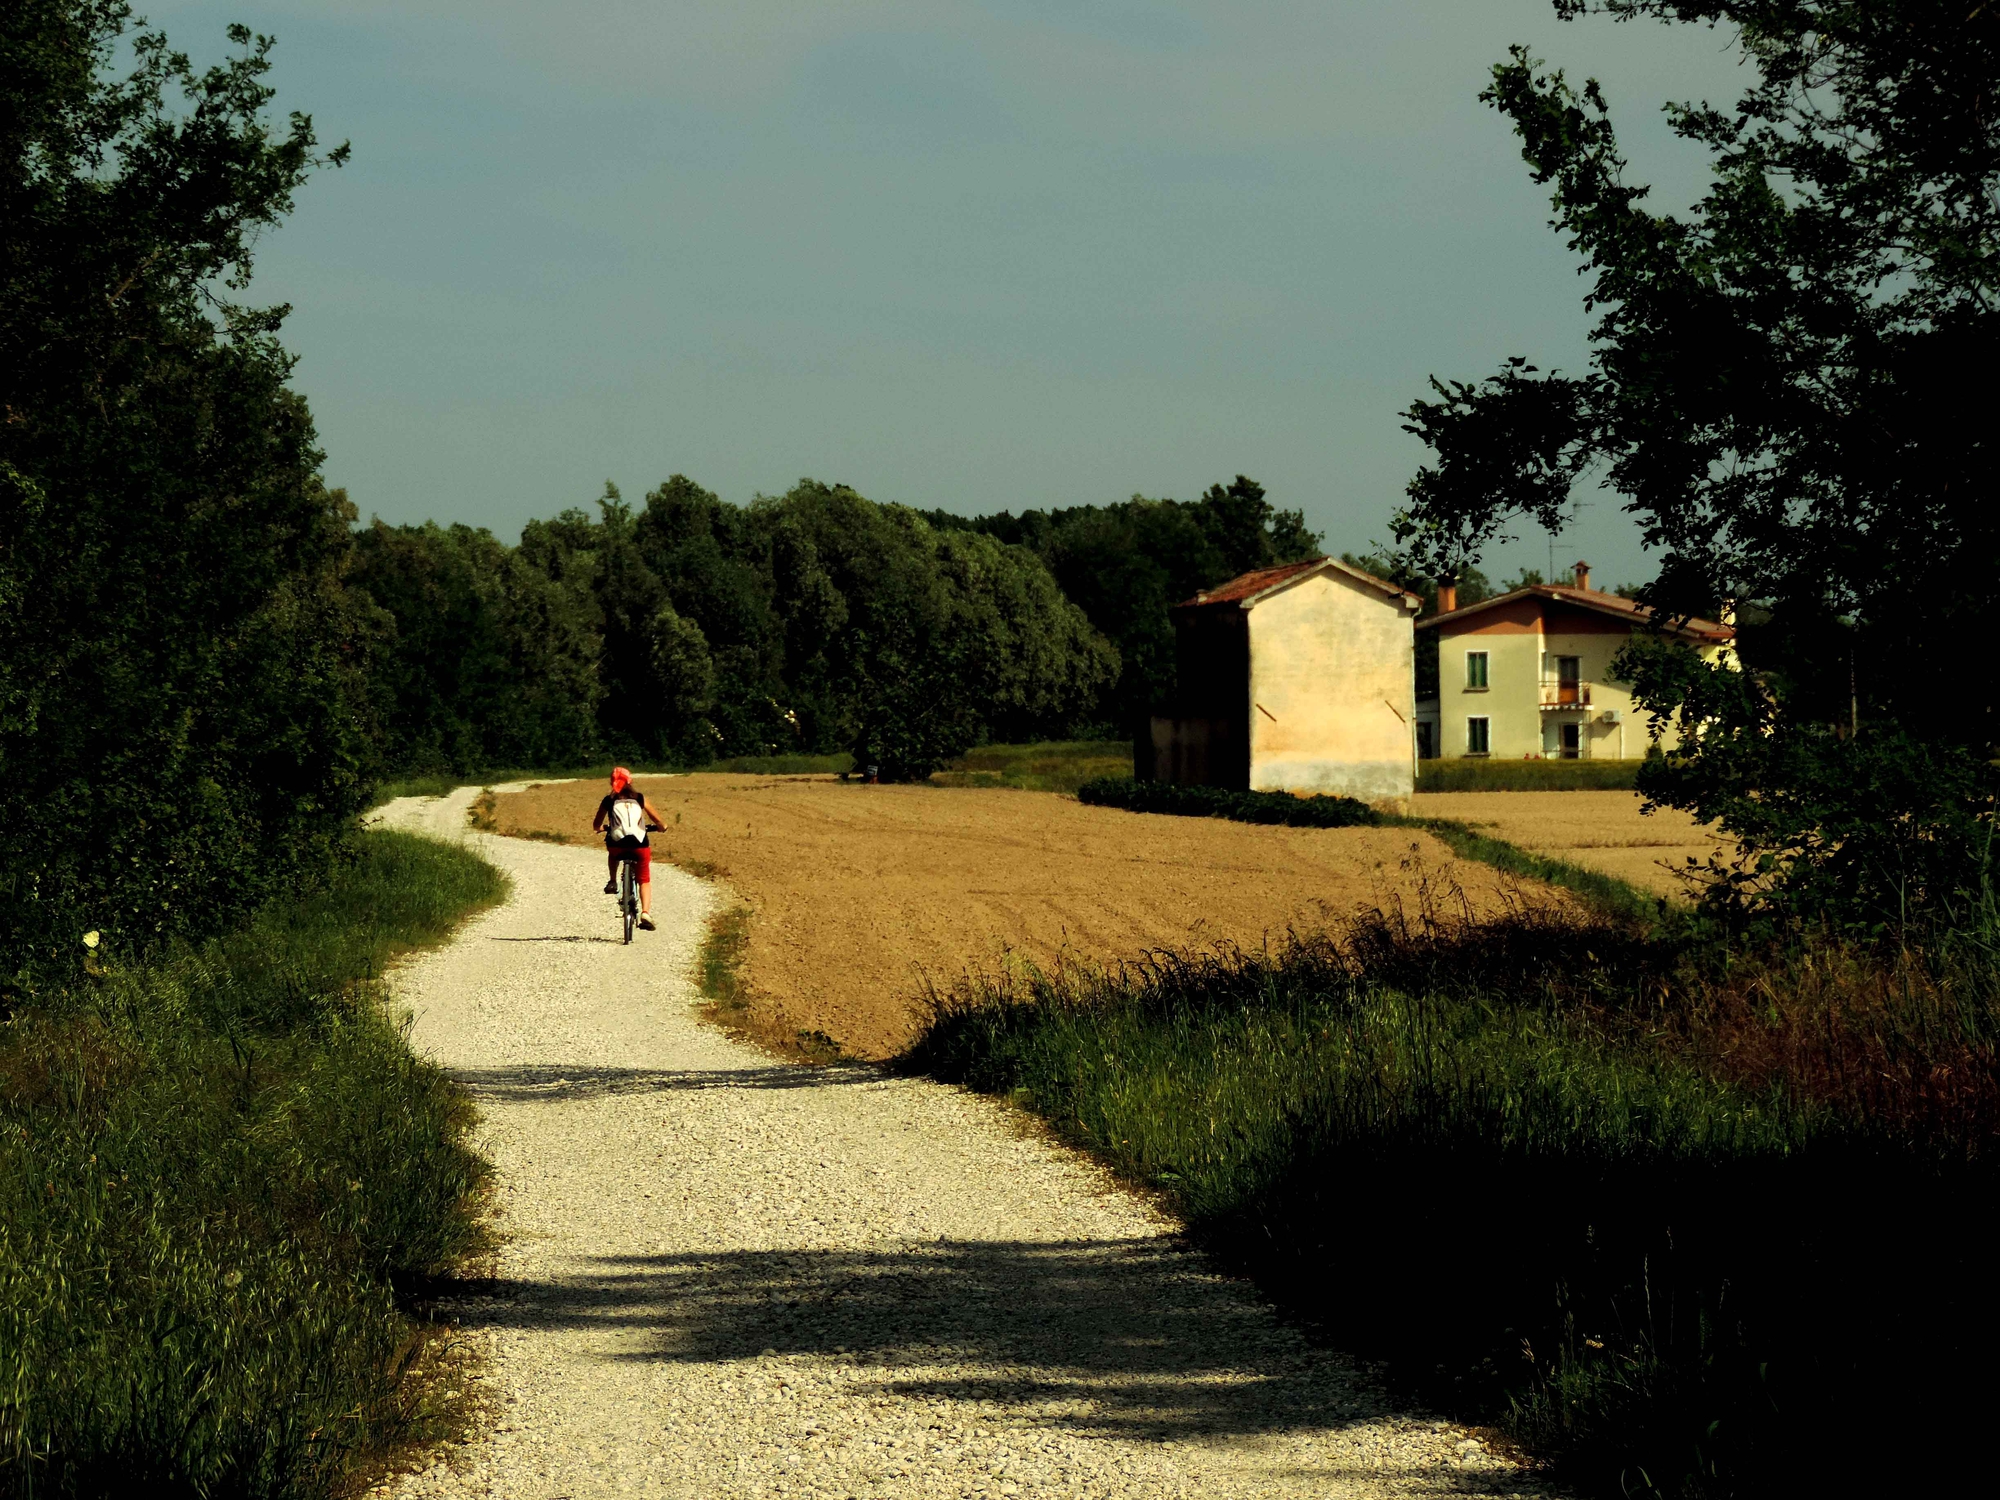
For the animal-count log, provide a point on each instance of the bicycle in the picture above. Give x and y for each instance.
(628, 888)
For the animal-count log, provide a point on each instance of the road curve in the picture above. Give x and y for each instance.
(724, 1276)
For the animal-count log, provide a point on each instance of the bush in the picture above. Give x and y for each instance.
(219, 1173)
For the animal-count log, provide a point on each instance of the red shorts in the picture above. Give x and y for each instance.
(645, 859)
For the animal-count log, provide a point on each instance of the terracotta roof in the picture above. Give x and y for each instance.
(1247, 588)
(1607, 604)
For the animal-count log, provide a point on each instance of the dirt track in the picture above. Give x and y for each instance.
(725, 1279)
(861, 894)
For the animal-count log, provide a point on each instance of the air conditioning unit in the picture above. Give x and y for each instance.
(1612, 715)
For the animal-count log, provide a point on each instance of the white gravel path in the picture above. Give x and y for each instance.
(725, 1276)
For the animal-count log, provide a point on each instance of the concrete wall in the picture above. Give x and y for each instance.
(1332, 691)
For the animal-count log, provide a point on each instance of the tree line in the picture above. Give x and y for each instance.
(686, 629)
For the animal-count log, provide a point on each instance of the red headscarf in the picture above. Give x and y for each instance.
(620, 778)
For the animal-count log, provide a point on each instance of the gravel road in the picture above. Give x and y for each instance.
(727, 1277)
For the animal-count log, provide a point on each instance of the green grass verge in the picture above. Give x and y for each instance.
(1543, 1170)
(1526, 775)
(1606, 893)
(1056, 766)
(223, 1175)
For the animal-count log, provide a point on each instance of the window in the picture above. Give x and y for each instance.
(1477, 741)
(1475, 671)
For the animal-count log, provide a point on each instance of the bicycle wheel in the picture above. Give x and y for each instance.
(628, 897)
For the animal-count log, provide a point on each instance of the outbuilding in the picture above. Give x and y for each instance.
(1298, 678)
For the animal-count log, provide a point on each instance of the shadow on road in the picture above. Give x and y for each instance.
(1125, 1338)
(572, 938)
(560, 1082)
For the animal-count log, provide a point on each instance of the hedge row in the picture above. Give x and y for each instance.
(1222, 802)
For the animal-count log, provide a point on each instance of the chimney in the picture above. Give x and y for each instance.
(1583, 575)
(1447, 597)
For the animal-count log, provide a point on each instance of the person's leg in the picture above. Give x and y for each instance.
(646, 885)
(611, 869)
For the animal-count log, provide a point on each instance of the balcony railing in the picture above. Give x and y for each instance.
(1560, 694)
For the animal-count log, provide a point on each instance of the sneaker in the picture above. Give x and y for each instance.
(610, 887)
(645, 924)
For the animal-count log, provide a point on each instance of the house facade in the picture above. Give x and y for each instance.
(1298, 678)
(1528, 675)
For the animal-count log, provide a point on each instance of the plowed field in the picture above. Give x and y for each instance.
(861, 895)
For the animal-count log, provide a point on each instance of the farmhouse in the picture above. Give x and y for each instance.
(1298, 678)
(1528, 675)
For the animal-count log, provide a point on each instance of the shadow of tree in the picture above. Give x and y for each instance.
(562, 1082)
(1124, 1338)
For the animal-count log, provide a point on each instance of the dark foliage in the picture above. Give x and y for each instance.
(1787, 387)
(1223, 802)
(181, 727)
(479, 658)
(1124, 565)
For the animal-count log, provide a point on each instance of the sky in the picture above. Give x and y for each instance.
(968, 254)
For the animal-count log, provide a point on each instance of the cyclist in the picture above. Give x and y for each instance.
(626, 819)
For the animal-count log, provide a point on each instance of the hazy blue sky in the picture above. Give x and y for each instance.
(962, 253)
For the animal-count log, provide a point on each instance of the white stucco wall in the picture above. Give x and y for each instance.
(1332, 691)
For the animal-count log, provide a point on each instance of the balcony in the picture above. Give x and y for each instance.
(1560, 693)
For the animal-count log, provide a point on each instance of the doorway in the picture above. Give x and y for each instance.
(1572, 741)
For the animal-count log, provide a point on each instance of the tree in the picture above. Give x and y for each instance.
(1791, 387)
(1127, 564)
(181, 717)
(481, 658)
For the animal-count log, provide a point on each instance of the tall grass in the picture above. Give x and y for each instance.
(1687, 1222)
(220, 1175)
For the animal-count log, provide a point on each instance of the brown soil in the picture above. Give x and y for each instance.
(1601, 830)
(861, 895)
